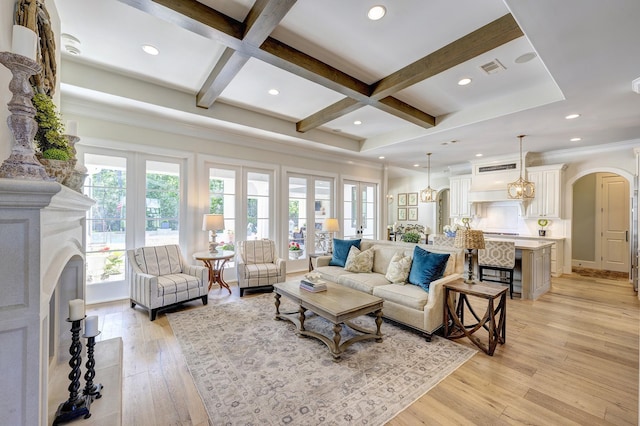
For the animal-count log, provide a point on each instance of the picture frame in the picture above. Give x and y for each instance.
(402, 199)
(402, 213)
(413, 213)
(412, 199)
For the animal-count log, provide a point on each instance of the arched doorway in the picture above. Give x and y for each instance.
(601, 223)
(442, 213)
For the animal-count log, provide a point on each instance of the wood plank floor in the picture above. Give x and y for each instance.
(571, 358)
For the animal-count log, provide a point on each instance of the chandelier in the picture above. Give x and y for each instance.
(521, 189)
(428, 195)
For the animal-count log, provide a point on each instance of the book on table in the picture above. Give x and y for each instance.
(313, 286)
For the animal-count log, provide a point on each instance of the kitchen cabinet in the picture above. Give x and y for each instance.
(459, 205)
(536, 271)
(548, 197)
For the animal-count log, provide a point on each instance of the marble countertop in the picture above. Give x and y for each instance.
(523, 237)
(524, 244)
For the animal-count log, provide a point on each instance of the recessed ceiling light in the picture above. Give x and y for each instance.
(478, 155)
(525, 58)
(274, 92)
(151, 50)
(376, 12)
(572, 116)
(464, 81)
(381, 157)
(416, 165)
(575, 139)
(357, 122)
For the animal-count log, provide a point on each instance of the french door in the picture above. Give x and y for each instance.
(360, 207)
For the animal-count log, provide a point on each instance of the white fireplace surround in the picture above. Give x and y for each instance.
(42, 267)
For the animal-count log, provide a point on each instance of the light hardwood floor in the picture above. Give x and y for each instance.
(571, 357)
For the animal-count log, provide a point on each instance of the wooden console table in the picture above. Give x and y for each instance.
(494, 320)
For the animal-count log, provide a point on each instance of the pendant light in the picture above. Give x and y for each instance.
(521, 189)
(428, 195)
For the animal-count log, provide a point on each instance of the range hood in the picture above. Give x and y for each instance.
(490, 196)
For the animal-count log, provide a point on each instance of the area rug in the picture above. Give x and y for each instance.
(251, 369)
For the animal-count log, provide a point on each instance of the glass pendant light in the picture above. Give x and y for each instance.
(521, 189)
(428, 195)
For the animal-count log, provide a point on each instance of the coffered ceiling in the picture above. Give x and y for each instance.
(367, 89)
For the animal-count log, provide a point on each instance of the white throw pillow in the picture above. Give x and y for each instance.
(358, 261)
(399, 268)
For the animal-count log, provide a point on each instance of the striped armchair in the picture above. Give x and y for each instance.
(258, 266)
(159, 277)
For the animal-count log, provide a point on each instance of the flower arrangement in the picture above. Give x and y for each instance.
(450, 230)
(50, 138)
(293, 246)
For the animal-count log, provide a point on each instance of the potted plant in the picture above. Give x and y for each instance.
(53, 149)
(294, 250)
(542, 223)
(411, 237)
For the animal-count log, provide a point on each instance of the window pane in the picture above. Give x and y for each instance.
(162, 203)
(106, 224)
(258, 205)
(222, 200)
(297, 217)
(322, 211)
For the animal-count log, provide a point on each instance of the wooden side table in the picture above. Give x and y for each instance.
(313, 256)
(215, 262)
(494, 320)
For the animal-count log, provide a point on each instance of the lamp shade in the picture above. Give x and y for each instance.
(212, 222)
(331, 225)
(469, 239)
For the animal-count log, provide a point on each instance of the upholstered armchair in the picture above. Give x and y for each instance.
(258, 265)
(159, 277)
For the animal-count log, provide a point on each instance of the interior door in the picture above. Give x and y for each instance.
(615, 223)
(360, 206)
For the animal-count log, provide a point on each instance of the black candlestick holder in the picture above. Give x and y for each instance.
(91, 391)
(76, 405)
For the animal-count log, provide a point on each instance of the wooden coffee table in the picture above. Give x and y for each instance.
(338, 305)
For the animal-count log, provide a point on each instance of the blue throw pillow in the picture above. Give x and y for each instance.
(426, 267)
(341, 251)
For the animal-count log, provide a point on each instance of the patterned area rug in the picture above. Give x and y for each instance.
(252, 369)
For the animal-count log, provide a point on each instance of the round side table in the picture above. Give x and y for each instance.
(215, 262)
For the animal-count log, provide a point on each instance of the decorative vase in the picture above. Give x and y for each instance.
(295, 254)
(78, 174)
(60, 170)
(542, 232)
(450, 234)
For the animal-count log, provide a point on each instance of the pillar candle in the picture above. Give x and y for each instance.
(91, 326)
(72, 128)
(24, 42)
(76, 309)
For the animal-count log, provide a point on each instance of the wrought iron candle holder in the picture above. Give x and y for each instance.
(91, 391)
(76, 405)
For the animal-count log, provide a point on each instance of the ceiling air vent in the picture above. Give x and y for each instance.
(487, 169)
(493, 67)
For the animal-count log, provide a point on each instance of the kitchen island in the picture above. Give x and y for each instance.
(533, 266)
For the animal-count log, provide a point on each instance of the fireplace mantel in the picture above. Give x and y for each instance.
(42, 258)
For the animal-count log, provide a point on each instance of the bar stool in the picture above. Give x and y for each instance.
(499, 256)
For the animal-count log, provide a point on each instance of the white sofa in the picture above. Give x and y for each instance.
(406, 304)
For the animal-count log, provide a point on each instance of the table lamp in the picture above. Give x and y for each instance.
(331, 226)
(469, 239)
(212, 223)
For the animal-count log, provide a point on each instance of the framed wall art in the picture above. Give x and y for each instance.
(402, 199)
(413, 213)
(412, 199)
(402, 214)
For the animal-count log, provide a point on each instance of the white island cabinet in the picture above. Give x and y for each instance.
(533, 273)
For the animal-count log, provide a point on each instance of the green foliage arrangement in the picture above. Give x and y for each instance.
(411, 237)
(50, 134)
